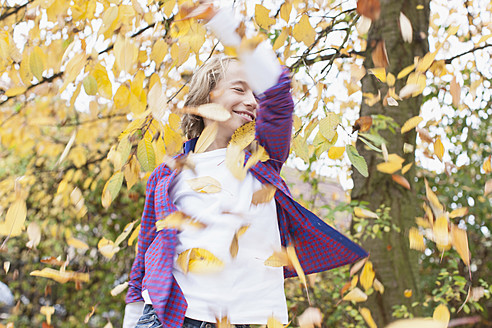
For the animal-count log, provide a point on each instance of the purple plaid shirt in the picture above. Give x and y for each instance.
(318, 246)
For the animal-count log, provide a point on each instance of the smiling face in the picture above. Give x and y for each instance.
(235, 95)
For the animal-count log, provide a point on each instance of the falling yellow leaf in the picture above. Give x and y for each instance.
(487, 167)
(406, 168)
(203, 261)
(178, 220)
(15, 219)
(278, 259)
(335, 152)
(367, 276)
(262, 17)
(48, 312)
(416, 239)
(61, 276)
(118, 289)
(234, 247)
(441, 313)
(285, 11)
(235, 161)
(433, 200)
(206, 185)
(134, 235)
(37, 62)
(440, 230)
(244, 135)
(404, 72)
(355, 295)
(406, 28)
(460, 243)
(389, 167)
(207, 137)
(183, 260)
(212, 111)
(455, 90)
(411, 123)
(223, 322)
(407, 293)
(107, 248)
(294, 261)
(328, 125)
(264, 195)
(274, 323)
(366, 314)
(304, 32)
(310, 318)
(357, 266)
(438, 148)
(378, 286)
(126, 231)
(77, 243)
(379, 73)
(34, 235)
(365, 214)
(458, 213)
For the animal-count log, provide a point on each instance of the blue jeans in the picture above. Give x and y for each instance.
(149, 319)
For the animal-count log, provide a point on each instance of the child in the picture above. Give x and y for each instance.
(242, 288)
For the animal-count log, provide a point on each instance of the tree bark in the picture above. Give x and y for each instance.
(396, 266)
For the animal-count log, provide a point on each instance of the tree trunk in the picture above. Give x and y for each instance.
(396, 266)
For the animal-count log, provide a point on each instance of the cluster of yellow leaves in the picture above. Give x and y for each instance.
(436, 226)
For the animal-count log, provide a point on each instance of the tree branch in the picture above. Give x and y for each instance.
(449, 60)
(14, 10)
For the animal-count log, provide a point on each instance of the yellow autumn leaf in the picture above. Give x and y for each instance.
(438, 148)
(203, 261)
(458, 213)
(178, 220)
(131, 172)
(424, 63)
(310, 318)
(34, 235)
(111, 189)
(272, 322)
(355, 295)
(406, 168)
(126, 231)
(159, 50)
(294, 262)
(77, 243)
(357, 266)
(441, 313)
(264, 195)
(119, 288)
(367, 276)
(206, 185)
(234, 247)
(183, 260)
(278, 259)
(433, 200)
(61, 276)
(378, 286)
(416, 239)
(235, 161)
(304, 32)
(280, 40)
(262, 17)
(417, 322)
(207, 137)
(48, 312)
(459, 240)
(134, 235)
(15, 218)
(407, 293)
(379, 73)
(440, 230)
(37, 62)
(211, 111)
(411, 123)
(335, 152)
(107, 248)
(328, 125)
(244, 135)
(366, 314)
(487, 165)
(285, 11)
(365, 214)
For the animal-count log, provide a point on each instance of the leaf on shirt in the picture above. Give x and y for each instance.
(234, 248)
(278, 259)
(212, 111)
(178, 220)
(235, 161)
(244, 135)
(206, 138)
(206, 185)
(264, 195)
(183, 260)
(203, 261)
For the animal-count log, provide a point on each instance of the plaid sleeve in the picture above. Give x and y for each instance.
(274, 120)
(145, 237)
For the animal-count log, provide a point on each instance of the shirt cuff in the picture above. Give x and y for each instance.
(261, 67)
(133, 312)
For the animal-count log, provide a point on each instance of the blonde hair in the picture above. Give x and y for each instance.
(204, 80)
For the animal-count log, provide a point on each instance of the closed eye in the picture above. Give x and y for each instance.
(238, 89)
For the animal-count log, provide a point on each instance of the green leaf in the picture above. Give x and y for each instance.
(90, 85)
(370, 145)
(124, 148)
(146, 155)
(357, 161)
(376, 139)
(111, 189)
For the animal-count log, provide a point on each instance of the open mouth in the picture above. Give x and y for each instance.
(247, 115)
